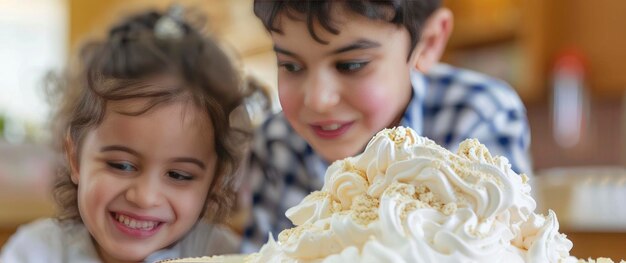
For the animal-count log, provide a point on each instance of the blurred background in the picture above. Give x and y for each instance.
(566, 59)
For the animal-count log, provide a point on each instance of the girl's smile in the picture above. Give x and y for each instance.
(136, 226)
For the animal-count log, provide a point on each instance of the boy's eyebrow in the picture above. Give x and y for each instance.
(190, 160)
(283, 51)
(359, 44)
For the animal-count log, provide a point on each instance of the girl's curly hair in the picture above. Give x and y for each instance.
(117, 68)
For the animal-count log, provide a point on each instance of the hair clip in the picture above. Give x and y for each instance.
(168, 26)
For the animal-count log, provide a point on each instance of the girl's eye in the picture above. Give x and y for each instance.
(179, 176)
(290, 67)
(350, 66)
(122, 166)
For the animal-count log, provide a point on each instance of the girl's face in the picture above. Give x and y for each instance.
(143, 180)
(338, 95)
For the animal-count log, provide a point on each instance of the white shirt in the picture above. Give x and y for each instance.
(51, 241)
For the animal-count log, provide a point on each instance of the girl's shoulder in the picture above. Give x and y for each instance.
(208, 239)
(46, 240)
(37, 233)
(42, 224)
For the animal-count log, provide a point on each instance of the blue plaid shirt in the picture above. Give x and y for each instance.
(448, 105)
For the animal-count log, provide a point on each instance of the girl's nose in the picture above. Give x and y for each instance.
(321, 93)
(145, 191)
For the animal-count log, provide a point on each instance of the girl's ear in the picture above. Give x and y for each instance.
(432, 43)
(70, 153)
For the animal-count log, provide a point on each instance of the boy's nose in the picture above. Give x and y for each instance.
(320, 93)
(145, 191)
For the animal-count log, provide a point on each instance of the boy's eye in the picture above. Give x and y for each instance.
(122, 166)
(350, 66)
(291, 67)
(179, 176)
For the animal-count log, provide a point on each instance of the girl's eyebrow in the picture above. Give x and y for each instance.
(189, 160)
(111, 148)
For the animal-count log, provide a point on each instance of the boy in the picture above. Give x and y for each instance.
(348, 69)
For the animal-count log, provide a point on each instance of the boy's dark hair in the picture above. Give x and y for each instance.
(123, 66)
(410, 14)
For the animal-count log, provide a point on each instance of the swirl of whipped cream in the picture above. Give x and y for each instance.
(326, 236)
(491, 192)
(310, 241)
(405, 171)
(406, 199)
(345, 184)
(474, 151)
(343, 229)
(318, 205)
(388, 146)
(438, 235)
(546, 244)
(375, 161)
(350, 254)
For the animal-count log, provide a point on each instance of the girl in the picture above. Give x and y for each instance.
(148, 130)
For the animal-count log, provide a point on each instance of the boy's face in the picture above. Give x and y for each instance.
(143, 180)
(338, 95)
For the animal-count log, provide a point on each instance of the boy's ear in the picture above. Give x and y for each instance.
(70, 153)
(435, 34)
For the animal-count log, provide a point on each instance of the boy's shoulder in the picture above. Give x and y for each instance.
(275, 132)
(276, 126)
(278, 148)
(454, 86)
(46, 240)
(448, 73)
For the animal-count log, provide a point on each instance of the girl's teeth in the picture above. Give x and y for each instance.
(330, 127)
(135, 224)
